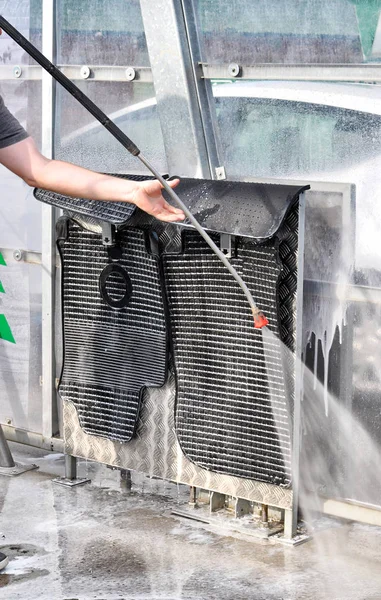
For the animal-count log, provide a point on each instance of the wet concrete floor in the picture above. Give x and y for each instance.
(96, 542)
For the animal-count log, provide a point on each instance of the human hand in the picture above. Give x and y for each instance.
(148, 197)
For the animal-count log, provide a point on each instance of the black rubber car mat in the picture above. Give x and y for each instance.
(111, 353)
(225, 419)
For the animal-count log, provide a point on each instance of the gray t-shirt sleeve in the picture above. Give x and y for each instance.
(11, 131)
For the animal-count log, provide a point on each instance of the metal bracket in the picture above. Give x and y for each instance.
(217, 501)
(108, 234)
(70, 482)
(220, 173)
(70, 479)
(242, 507)
(226, 244)
(17, 469)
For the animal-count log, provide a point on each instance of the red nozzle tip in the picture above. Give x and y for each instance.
(260, 320)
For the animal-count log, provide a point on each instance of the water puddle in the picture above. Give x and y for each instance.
(22, 564)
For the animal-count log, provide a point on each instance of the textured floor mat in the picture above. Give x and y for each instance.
(110, 355)
(225, 419)
(96, 210)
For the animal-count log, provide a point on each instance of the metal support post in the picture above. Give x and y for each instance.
(70, 467)
(6, 458)
(192, 496)
(289, 525)
(49, 405)
(217, 501)
(242, 507)
(125, 480)
(70, 479)
(264, 516)
(7, 464)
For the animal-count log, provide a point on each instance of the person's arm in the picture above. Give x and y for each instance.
(25, 160)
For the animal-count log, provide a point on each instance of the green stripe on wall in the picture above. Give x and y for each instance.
(2, 260)
(2, 290)
(5, 330)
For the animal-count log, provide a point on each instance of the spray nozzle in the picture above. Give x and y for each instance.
(260, 320)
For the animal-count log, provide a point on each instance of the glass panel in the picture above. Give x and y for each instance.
(289, 31)
(26, 16)
(20, 215)
(82, 140)
(23, 99)
(307, 131)
(20, 226)
(106, 33)
(99, 32)
(20, 369)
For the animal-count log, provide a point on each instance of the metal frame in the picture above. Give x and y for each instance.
(204, 92)
(49, 404)
(363, 73)
(29, 438)
(80, 72)
(291, 517)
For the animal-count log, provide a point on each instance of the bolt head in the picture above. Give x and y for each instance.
(18, 255)
(85, 72)
(234, 70)
(130, 73)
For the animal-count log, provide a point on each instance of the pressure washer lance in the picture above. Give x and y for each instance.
(259, 318)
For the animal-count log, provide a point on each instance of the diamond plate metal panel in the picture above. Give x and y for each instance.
(155, 450)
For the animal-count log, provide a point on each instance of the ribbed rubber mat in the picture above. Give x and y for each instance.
(112, 212)
(110, 355)
(233, 408)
